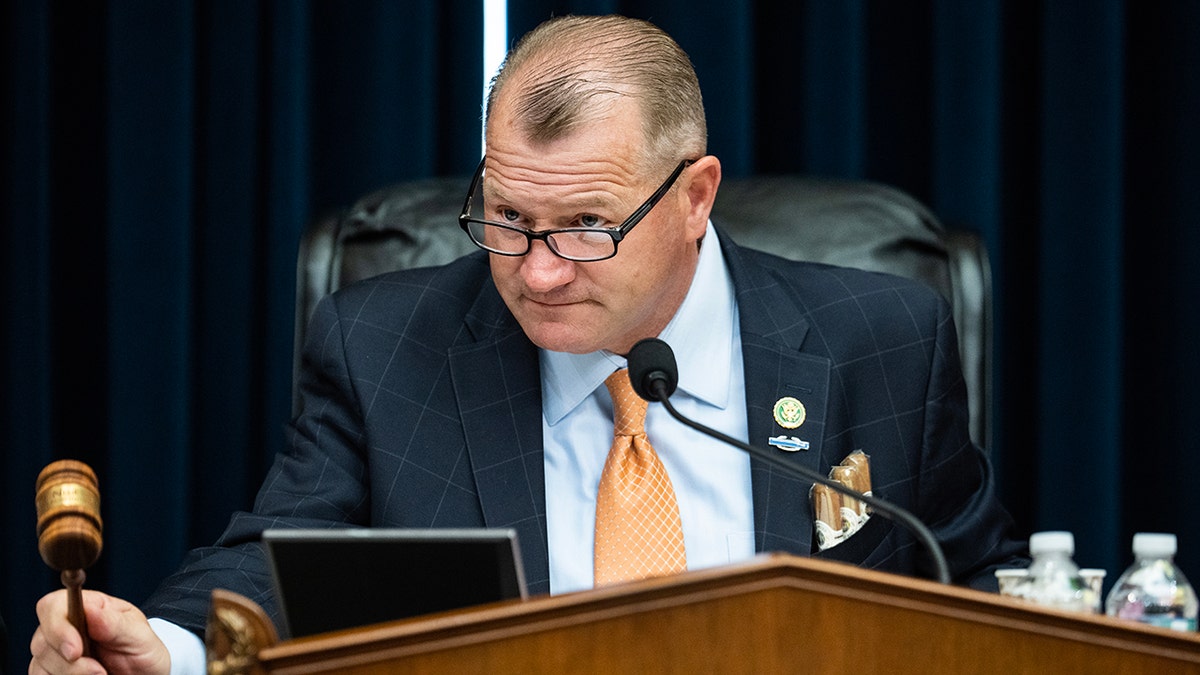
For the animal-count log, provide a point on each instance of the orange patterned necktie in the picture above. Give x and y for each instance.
(638, 530)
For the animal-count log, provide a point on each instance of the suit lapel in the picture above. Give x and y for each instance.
(776, 368)
(498, 387)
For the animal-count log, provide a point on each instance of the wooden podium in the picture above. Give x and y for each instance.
(774, 614)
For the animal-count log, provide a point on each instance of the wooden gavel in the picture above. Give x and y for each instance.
(69, 530)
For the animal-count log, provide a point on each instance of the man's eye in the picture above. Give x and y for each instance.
(510, 215)
(588, 220)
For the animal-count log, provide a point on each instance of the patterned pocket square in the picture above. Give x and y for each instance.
(837, 517)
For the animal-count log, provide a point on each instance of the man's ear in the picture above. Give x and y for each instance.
(699, 189)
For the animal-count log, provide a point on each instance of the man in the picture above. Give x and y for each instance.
(471, 395)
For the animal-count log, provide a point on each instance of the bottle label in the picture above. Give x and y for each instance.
(1174, 623)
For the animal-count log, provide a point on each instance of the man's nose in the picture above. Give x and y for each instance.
(544, 271)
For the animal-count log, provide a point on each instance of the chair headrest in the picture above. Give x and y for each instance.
(847, 223)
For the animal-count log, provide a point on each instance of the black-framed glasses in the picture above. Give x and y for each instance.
(581, 244)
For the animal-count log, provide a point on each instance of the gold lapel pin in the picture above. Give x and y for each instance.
(789, 412)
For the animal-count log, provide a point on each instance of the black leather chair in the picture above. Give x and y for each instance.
(855, 224)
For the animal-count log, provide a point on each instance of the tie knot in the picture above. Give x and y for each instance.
(629, 409)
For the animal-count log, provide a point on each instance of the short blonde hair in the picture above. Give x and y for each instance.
(563, 73)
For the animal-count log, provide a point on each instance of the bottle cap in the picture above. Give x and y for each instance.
(1153, 545)
(1055, 541)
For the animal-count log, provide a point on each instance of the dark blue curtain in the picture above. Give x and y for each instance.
(161, 159)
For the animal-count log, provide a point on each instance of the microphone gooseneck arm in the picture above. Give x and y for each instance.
(656, 381)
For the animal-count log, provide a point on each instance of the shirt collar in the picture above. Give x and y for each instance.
(700, 334)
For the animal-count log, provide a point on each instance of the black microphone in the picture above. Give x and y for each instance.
(654, 376)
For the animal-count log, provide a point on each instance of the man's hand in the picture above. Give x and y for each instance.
(122, 640)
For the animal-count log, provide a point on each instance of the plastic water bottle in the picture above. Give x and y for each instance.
(1153, 590)
(1054, 579)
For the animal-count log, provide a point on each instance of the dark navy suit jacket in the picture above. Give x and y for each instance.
(422, 408)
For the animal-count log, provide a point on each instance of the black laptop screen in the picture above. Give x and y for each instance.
(333, 579)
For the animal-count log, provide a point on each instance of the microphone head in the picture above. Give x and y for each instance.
(650, 361)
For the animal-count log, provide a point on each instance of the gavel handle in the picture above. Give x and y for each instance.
(73, 580)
